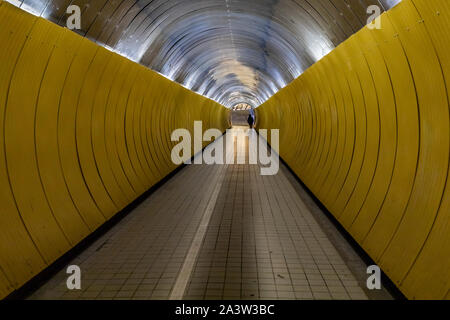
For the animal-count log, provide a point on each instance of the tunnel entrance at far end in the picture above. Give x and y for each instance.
(240, 114)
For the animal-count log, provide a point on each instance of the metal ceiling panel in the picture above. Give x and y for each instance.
(233, 51)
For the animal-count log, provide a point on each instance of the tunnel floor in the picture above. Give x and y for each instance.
(220, 232)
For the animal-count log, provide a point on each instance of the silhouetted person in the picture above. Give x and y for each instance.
(250, 121)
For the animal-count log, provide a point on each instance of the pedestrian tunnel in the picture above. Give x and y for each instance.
(359, 103)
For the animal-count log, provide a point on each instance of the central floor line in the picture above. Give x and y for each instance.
(188, 265)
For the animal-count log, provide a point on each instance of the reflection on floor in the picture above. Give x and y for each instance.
(220, 232)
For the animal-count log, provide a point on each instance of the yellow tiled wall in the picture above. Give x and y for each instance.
(83, 132)
(367, 129)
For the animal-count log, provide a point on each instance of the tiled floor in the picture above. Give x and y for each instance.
(263, 238)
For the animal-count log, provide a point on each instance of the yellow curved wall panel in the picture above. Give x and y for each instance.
(70, 165)
(432, 167)
(15, 237)
(46, 137)
(116, 188)
(362, 219)
(83, 133)
(437, 246)
(19, 134)
(372, 141)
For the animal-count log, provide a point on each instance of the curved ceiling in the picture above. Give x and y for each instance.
(232, 51)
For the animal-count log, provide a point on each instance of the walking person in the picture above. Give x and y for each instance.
(250, 121)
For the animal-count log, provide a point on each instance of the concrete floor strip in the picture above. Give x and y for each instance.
(188, 266)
